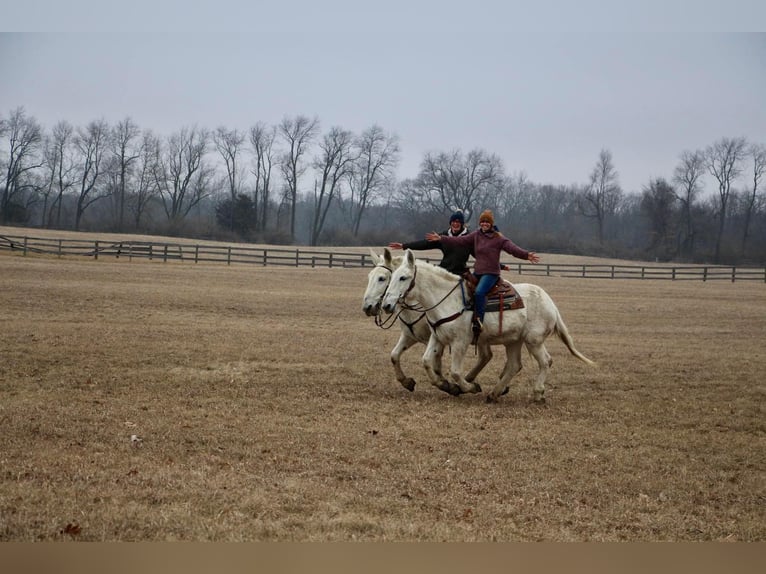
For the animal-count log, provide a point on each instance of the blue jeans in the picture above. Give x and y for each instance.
(485, 284)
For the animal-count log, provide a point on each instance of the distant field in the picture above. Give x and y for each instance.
(434, 254)
(263, 407)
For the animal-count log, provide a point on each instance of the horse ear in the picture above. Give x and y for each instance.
(410, 258)
(375, 257)
(387, 256)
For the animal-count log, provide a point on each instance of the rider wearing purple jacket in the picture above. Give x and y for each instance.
(487, 245)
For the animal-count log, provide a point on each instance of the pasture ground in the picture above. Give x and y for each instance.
(265, 409)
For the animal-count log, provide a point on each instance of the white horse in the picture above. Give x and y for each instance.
(413, 324)
(442, 296)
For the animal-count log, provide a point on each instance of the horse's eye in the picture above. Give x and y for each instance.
(380, 279)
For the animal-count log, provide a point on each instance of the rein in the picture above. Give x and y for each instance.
(443, 320)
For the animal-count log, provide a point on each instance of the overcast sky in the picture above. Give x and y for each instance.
(543, 95)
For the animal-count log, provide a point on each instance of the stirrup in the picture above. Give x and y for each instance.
(476, 327)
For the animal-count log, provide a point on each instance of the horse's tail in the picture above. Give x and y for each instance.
(566, 338)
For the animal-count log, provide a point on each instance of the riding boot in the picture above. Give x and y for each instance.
(476, 327)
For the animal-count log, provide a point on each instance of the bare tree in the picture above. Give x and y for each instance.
(262, 139)
(602, 194)
(48, 177)
(90, 143)
(513, 198)
(24, 140)
(229, 143)
(657, 202)
(377, 156)
(687, 177)
(757, 153)
(180, 173)
(145, 188)
(453, 181)
(723, 160)
(126, 153)
(62, 167)
(297, 133)
(333, 164)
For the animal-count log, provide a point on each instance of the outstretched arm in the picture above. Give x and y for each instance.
(420, 245)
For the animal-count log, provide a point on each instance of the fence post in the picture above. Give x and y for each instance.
(61, 246)
(196, 253)
(673, 274)
(733, 274)
(95, 251)
(704, 274)
(265, 257)
(228, 255)
(165, 253)
(612, 271)
(297, 251)
(331, 260)
(25, 245)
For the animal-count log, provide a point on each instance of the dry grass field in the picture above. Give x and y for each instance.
(264, 408)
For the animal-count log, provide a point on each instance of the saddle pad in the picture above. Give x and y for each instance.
(503, 289)
(508, 302)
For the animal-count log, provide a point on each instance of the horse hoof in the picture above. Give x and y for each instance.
(505, 391)
(491, 399)
(408, 384)
(476, 388)
(455, 390)
(449, 388)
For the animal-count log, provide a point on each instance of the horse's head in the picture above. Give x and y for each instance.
(377, 281)
(400, 283)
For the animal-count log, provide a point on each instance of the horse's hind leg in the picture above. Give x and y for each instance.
(544, 361)
(404, 343)
(485, 356)
(511, 368)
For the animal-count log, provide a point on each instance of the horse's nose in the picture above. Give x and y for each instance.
(371, 309)
(388, 307)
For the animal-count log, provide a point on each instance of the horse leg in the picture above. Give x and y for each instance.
(432, 364)
(459, 349)
(405, 342)
(544, 361)
(511, 368)
(485, 356)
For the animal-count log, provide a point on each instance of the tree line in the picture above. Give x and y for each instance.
(292, 183)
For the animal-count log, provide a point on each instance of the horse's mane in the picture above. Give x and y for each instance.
(440, 271)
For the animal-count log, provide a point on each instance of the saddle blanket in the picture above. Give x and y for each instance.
(502, 296)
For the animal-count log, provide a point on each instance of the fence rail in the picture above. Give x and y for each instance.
(230, 254)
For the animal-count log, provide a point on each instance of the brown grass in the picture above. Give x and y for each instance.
(267, 409)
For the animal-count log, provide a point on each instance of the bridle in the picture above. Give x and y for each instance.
(389, 321)
(404, 305)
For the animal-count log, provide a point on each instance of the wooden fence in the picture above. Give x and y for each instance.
(295, 257)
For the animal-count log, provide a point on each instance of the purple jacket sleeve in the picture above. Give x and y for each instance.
(513, 249)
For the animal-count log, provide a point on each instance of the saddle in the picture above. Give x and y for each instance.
(502, 296)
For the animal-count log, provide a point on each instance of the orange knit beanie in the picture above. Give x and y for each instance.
(486, 215)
